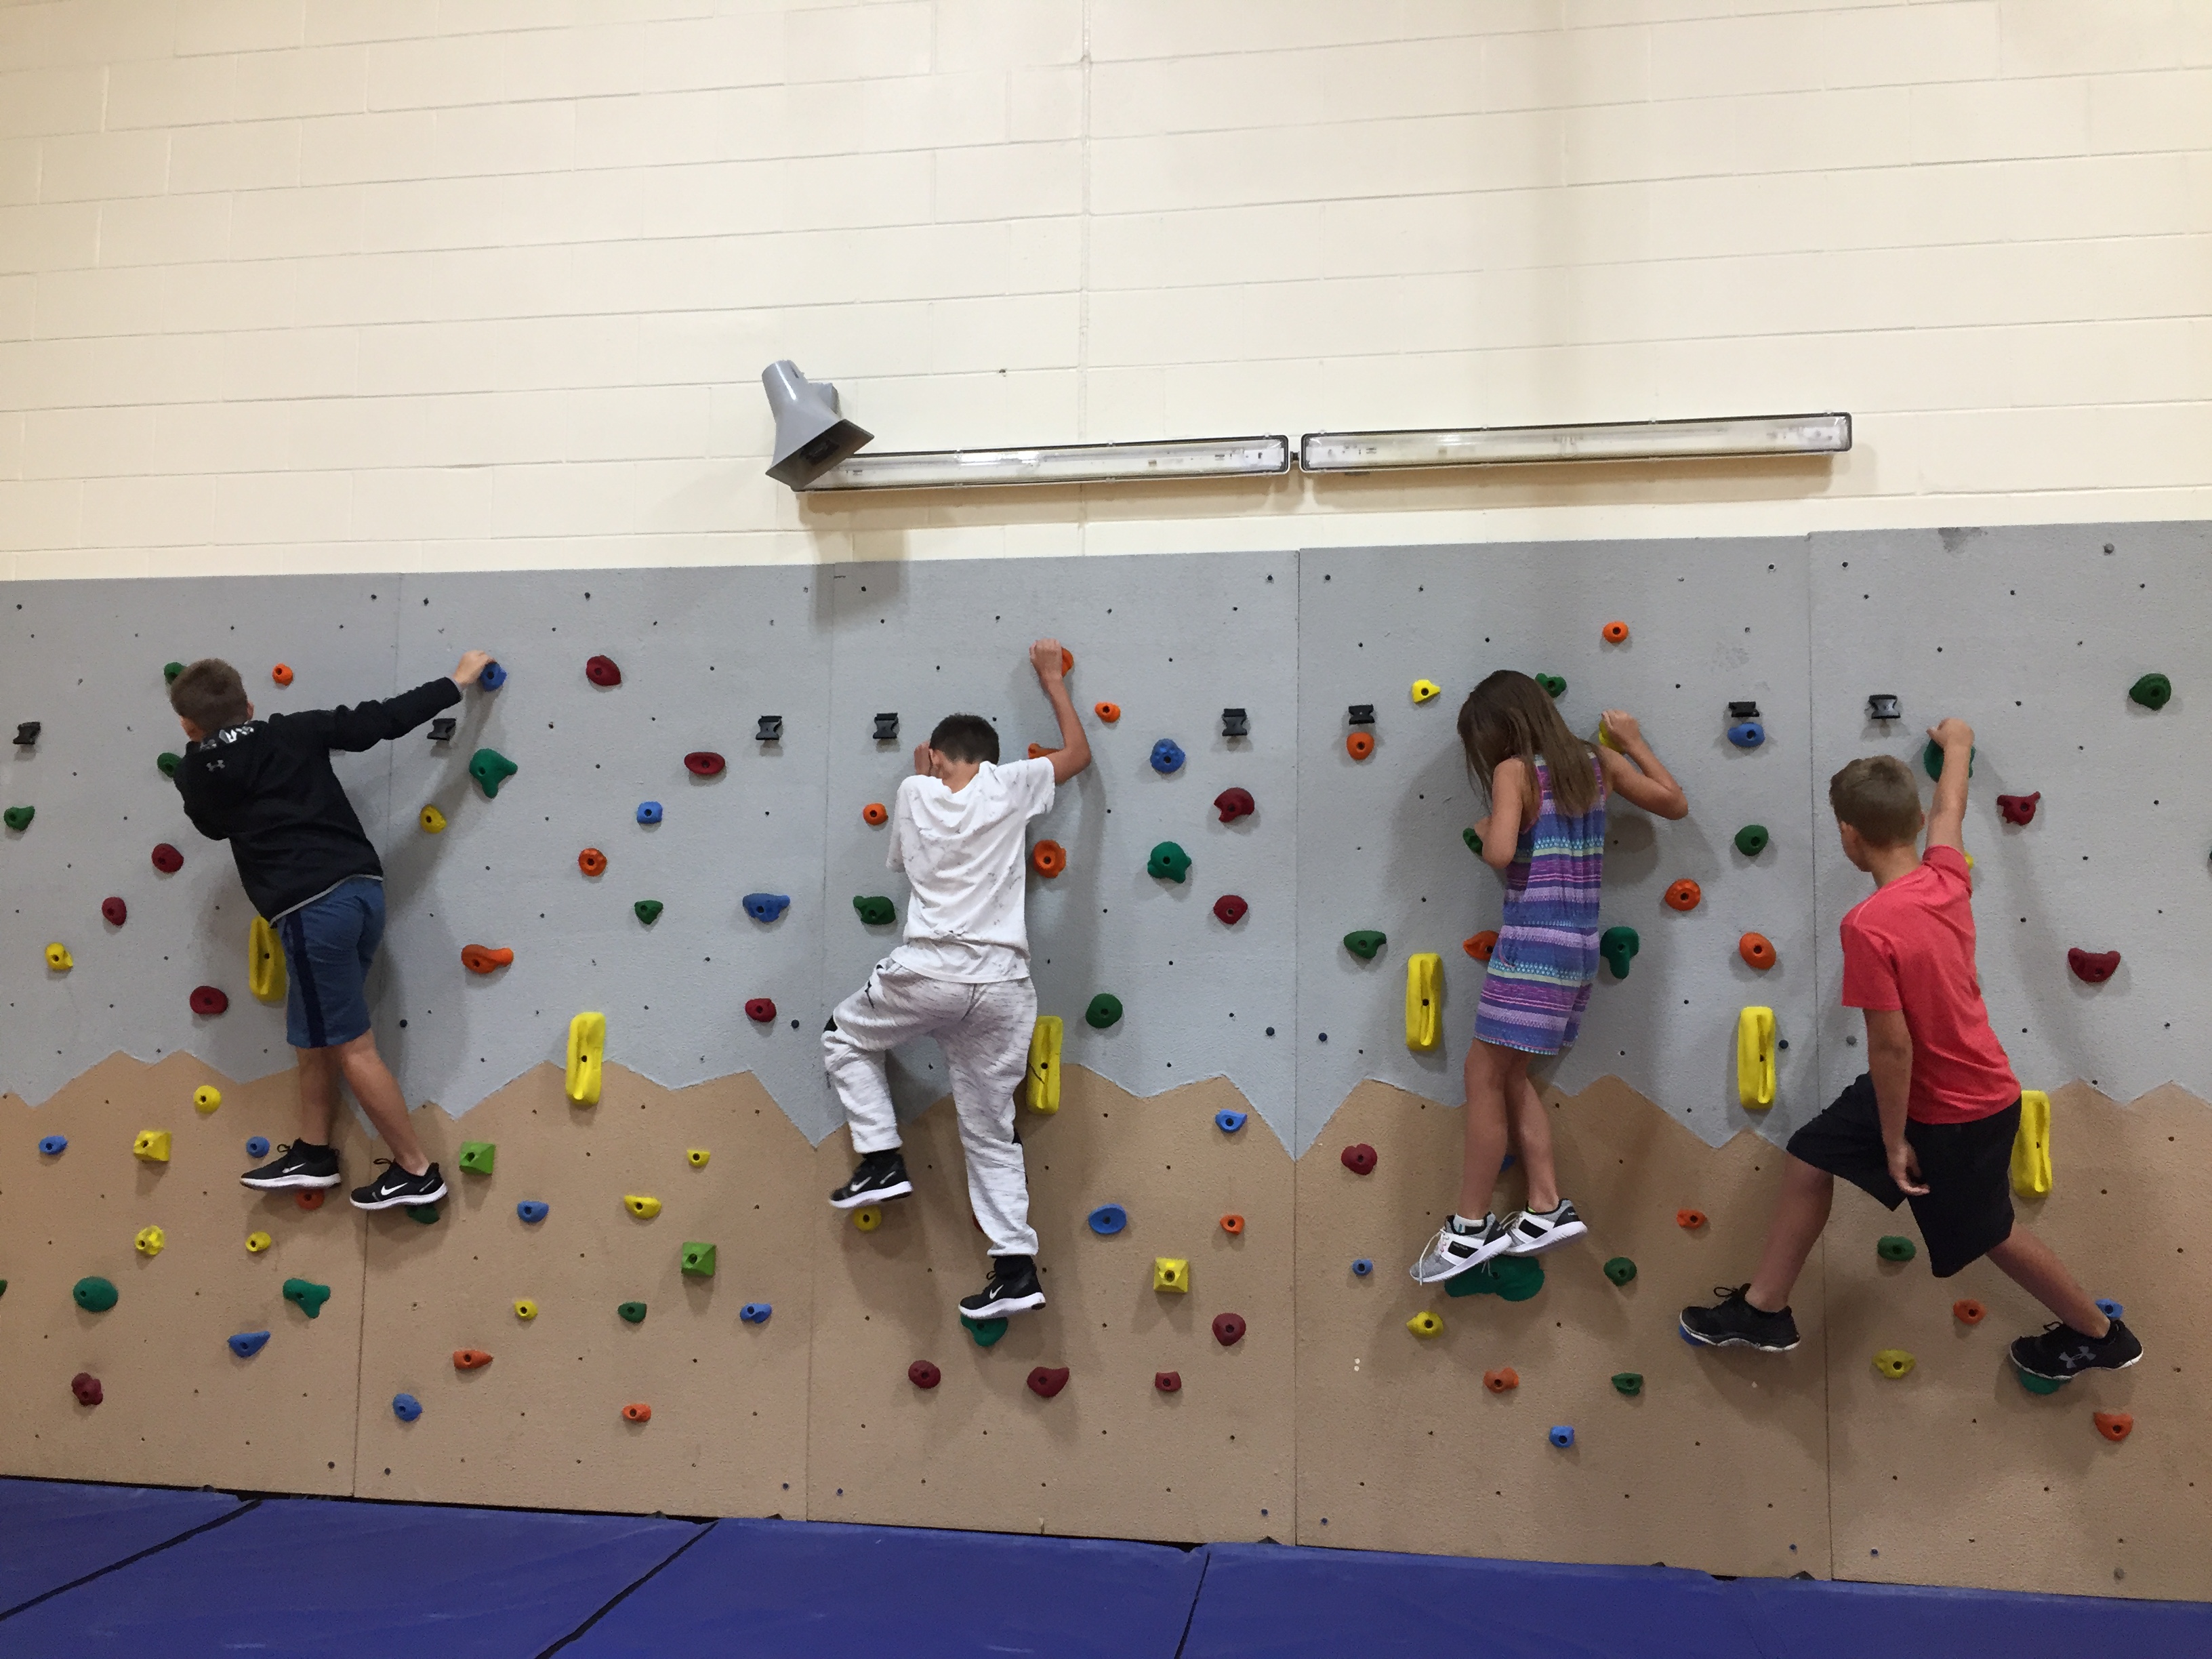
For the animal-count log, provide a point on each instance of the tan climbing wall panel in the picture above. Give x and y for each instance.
(542, 1425)
(180, 1409)
(1110, 1455)
(1955, 1474)
(1717, 1464)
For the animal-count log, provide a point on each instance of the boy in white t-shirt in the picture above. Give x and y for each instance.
(962, 977)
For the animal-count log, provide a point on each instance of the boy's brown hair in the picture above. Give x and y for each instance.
(1877, 796)
(966, 737)
(211, 695)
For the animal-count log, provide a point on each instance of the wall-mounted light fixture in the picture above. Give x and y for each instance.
(811, 436)
(1744, 435)
(1061, 464)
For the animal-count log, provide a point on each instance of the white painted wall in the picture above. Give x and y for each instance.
(335, 284)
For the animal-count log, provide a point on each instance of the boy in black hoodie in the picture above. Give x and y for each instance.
(266, 786)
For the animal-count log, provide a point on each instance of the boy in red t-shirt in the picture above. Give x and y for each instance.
(1934, 1119)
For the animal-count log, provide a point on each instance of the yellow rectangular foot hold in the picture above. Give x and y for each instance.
(1424, 1000)
(1754, 1058)
(2031, 1147)
(588, 1049)
(1041, 1088)
(264, 964)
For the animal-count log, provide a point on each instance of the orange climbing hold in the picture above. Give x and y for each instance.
(592, 861)
(2114, 1425)
(1049, 858)
(1038, 751)
(1067, 660)
(1757, 950)
(1232, 1224)
(1967, 1311)
(1482, 945)
(470, 1359)
(1615, 633)
(1684, 895)
(1690, 1219)
(310, 1199)
(638, 1412)
(1360, 744)
(483, 959)
(1109, 712)
(1498, 1380)
(281, 674)
(875, 813)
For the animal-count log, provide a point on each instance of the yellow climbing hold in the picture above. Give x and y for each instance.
(1171, 1272)
(206, 1098)
(640, 1205)
(1425, 1324)
(264, 965)
(1754, 1058)
(149, 1241)
(58, 958)
(1424, 1000)
(697, 1157)
(2031, 1147)
(257, 1242)
(1605, 739)
(432, 820)
(1040, 1087)
(152, 1146)
(1893, 1363)
(867, 1218)
(525, 1309)
(588, 1048)
(1424, 690)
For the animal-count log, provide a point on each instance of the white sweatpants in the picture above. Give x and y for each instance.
(984, 1031)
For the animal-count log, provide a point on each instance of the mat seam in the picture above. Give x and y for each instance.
(624, 1594)
(151, 1549)
(1204, 1566)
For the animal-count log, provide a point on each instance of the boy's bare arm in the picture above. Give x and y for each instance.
(1074, 752)
(1947, 819)
(1889, 1064)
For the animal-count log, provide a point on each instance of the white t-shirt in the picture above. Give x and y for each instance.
(963, 854)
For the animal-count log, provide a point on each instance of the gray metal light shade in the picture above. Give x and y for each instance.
(811, 436)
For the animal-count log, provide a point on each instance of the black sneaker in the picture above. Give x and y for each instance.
(295, 1166)
(1012, 1289)
(2063, 1353)
(880, 1175)
(1735, 1323)
(395, 1186)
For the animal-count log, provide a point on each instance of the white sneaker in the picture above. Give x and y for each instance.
(1453, 1252)
(1531, 1233)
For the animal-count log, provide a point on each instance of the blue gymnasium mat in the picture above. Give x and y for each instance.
(816, 1589)
(311, 1576)
(52, 1533)
(1794, 1619)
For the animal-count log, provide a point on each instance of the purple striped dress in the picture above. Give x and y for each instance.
(1539, 976)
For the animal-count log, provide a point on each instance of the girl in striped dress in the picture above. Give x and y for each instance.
(1545, 832)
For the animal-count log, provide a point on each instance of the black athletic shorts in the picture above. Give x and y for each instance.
(1967, 1168)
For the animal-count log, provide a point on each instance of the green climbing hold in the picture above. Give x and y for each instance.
(94, 1295)
(1105, 1010)
(875, 911)
(1628, 1383)
(633, 1313)
(1365, 943)
(4, 1287)
(307, 1296)
(170, 670)
(648, 911)
(1932, 758)
(169, 763)
(1169, 862)
(1554, 687)
(1473, 842)
(699, 1261)
(1509, 1278)
(1751, 840)
(490, 769)
(1617, 946)
(423, 1213)
(2037, 1385)
(1891, 1248)
(477, 1155)
(1620, 1270)
(19, 817)
(985, 1331)
(2152, 691)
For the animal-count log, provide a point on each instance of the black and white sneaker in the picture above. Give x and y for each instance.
(1534, 1231)
(880, 1175)
(2063, 1353)
(296, 1164)
(1735, 1323)
(1459, 1248)
(1012, 1288)
(395, 1186)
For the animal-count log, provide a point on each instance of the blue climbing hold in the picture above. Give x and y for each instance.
(2109, 1308)
(1229, 1122)
(756, 1313)
(54, 1146)
(648, 812)
(1746, 734)
(1562, 1436)
(257, 1147)
(493, 676)
(1167, 757)
(766, 907)
(531, 1210)
(246, 1343)
(1362, 1267)
(405, 1406)
(1108, 1219)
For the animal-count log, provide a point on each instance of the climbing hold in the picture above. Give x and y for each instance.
(114, 912)
(484, 959)
(1041, 1079)
(602, 670)
(257, 1242)
(2153, 691)
(2031, 1145)
(875, 813)
(421, 1214)
(1892, 1246)
(765, 907)
(151, 1146)
(1684, 895)
(1228, 1329)
(2037, 1385)
(19, 817)
(1108, 712)
(1618, 946)
(1424, 1000)
(312, 1198)
(206, 1098)
(1360, 744)
(1360, 714)
(86, 1386)
(167, 859)
(767, 728)
(1171, 1272)
(525, 1310)
(1483, 946)
(633, 1313)
(1893, 1363)
(281, 674)
(923, 1374)
(1234, 804)
(1365, 943)
(246, 1343)
(887, 727)
(1049, 859)
(2093, 967)
(2109, 1308)
(1510, 1279)
(1424, 690)
(704, 763)
(1425, 1324)
(754, 1313)
(149, 1242)
(306, 1296)
(1227, 1121)
(1755, 1057)
(477, 1156)
(93, 1295)
(868, 1219)
(592, 861)
(1967, 1311)
(875, 910)
(53, 1145)
(441, 729)
(2115, 1427)
(760, 1010)
(1614, 633)
(1167, 757)
(1562, 1435)
(698, 1259)
(166, 763)
(984, 1331)
(490, 769)
(1104, 1010)
(470, 1359)
(1362, 1267)
(1047, 1381)
(1236, 723)
(1882, 706)
(432, 820)
(1620, 1270)
(1757, 950)
(1232, 1225)
(1630, 1383)
(1746, 734)
(1168, 1381)
(588, 1049)
(58, 958)
(1689, 1220)
(532, 1210)
(1499, 1380)
(1932, 758)
(641, 1204)
(1169, 862)
(1230, 910)
(1473, 842)
(26, 733)
(648, 812)
(1359, 1159)
(1751, 840)
(637, 1412)
(648, 910)
(493, 678)
(1554, 687)
(2019, 809)
(1108, 1219)
(257, 1147)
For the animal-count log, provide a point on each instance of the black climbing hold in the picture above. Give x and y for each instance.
(1751, 840)
(2153, 691)
(887, 727)
(1360, 714)
(1620, 1270)
(1883, 707)
(1365, 943)
(1234, 724)
(1893, 1247)
(1105, 1010)
(770, 729)
(1743, 711)
(875, 910)
(441, 729)
(26, 733)
(1618, 946)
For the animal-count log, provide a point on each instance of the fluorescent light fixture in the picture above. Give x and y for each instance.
(1063, 464)
(1612, 440)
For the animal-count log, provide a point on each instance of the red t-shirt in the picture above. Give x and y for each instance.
(1911, 947)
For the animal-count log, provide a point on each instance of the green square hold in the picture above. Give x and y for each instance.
(477, 1155)
(699, 1261)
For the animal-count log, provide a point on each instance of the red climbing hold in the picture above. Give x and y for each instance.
(601, 671)
(1228, 1329)
(923, 1374)
(2093, 967)
(309, 1198)
(1689, 1220)
(704, 763)
(1358, 1159)
(1233, 804)
(1498, 1380)
(1482, 945)
(86, 1386)
(167, 859)
(208, 1000)
(1967, 1311)
(1230, 910)
(483, 959)
(1168, 1381)
(638, 1412)
(115, 910)
(1046, 1381)
(2113, 1425)
(2019, 809)
(470, 1359)
(760, 1010)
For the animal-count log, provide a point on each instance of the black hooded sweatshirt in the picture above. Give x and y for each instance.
(266, 786)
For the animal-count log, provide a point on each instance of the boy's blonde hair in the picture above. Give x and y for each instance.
(211, 695)
(1877, 796)
(1509, 716)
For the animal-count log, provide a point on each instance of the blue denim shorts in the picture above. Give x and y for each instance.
(329, 947)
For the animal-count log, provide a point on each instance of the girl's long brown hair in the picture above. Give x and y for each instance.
(1509, 715)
